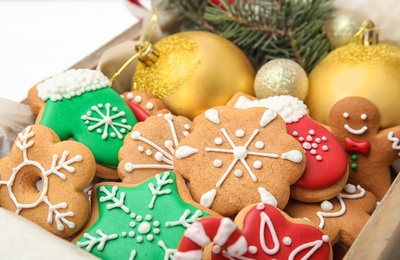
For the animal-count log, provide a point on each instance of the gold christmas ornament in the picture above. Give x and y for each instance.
(341, 27)
(193, 71)
(363, 68)
(281, 77)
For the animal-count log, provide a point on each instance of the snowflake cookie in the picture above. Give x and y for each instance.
(259, 231)
(144, 221)
(343, 217)
(236, 157)
(43, 180)
(150, 147)
(80, 104)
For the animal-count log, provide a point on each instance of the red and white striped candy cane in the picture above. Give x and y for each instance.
(222, 231)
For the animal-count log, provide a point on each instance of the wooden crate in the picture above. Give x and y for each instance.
(380, 236)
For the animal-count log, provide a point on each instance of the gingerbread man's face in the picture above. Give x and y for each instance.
(354, 117)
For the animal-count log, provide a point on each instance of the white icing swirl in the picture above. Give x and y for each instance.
(71, 83)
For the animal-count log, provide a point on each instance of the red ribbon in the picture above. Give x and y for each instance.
(362, 147)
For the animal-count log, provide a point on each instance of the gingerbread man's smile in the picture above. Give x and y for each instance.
(352, 130)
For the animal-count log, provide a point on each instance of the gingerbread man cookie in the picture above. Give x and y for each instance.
(236, 157)
(342, 218)
(43, 180)
(80, 104)
(327, 169)
(150, 147)
(140, 221)
(259, 231)
(370, 151)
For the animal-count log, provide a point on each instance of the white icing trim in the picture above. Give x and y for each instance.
(71, 83)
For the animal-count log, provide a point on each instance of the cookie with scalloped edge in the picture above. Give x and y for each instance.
(43, 180)
(139, 221)
(151, 145)
(341, 218)
(79, 104)
(236, 157)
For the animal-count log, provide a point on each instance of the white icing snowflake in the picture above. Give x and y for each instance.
(56, 165)
(104, 121)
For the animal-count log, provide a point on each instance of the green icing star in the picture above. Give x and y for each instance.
(139, 222)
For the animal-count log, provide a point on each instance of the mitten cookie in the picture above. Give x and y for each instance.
(43, 180)
(236, 157)
(81, 105)
(150, 147)
(342, 218)
(144, 221)
(370, 151)
(326, 172)
(260, 231)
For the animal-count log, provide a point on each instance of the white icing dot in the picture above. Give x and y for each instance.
(363, 116)
(287, 241)
(318, 140)
(87, 122)
(131, 233)
(148, 217)
(185, 133)
(306, 145)
(217, 163)
(216, 249)
(149, 152)
(314, 145)
(123, 234)
(252, 250)
(132, 224)
(113, 135)
(135, 135)
(350, 188)
(139, 239)
(238, 173)
(313, 152)
(156, 231)
(138, 99)
(318, 157)
(309, 138)
(346, 115)
(124, 122)
(295, 133)
(239, 133)
(156, 223)
(149, 105)
(259, 144)
(114, 109)
(123, 130)
(159, 156)
(325, 238)
(139, 218)
(218, 140)
(257, 164)
(326, 205)
(187, 126)
(101, 105)
(212, 115)
(325, 148)
(140, 149)
(144, 228)
(301, 139)
(133, 215)
(129, 95)
(324, 138)
(260, 206)
(311, 132)
(150, 237)
(98, 130)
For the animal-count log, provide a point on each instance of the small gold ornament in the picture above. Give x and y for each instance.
(341, 27)
(193, 71)
(363, 68)
(281, 77)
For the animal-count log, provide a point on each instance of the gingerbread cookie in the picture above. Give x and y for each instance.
(236, 157)
(326, 172)
(260, 231)
(150, 147)
(144, 104)
(43, 180)
(370, 151)
(144, 221)
(342, 218)
(80, 104)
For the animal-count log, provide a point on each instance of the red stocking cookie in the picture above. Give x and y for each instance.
(236, 157)
(327, 171)
(355, 123)
(43, 180)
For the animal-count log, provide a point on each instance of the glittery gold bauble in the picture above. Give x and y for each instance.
(194, 71)
(357, 70)
(281, 77)
(341, 27)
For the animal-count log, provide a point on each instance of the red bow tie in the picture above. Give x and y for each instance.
(362, 147)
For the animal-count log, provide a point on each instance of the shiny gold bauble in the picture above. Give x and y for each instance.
(357, 70)
(281, 77)
(194, 71)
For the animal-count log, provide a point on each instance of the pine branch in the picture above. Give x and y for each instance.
(264, 30)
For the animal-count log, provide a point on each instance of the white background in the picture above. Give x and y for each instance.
(39, 38)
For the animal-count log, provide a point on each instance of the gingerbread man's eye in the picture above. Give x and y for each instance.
(364, 116)
(346, 115)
